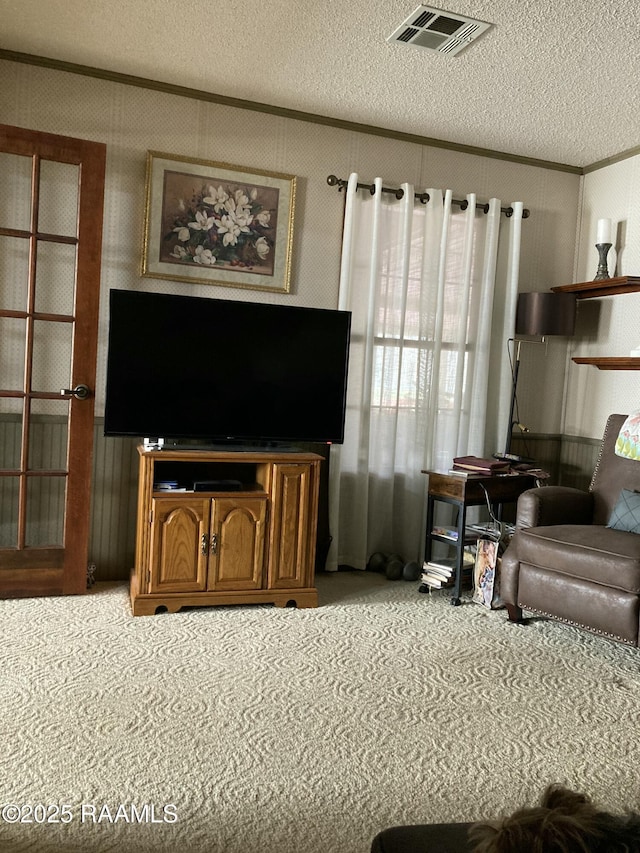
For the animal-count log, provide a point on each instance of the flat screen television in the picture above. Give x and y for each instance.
(218, 370)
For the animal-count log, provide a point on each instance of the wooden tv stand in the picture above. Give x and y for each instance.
(250, 538)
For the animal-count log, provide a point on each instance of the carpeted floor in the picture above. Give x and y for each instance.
(264, 730)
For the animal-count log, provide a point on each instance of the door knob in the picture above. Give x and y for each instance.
(80, 392)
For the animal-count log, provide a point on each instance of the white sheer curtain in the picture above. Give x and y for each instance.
(432, 289)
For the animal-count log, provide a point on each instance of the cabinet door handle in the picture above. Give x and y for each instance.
(214, 543)
(204, 544)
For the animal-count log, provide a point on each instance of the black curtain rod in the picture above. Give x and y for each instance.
(421, 197)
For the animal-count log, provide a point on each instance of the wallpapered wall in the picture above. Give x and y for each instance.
(609, 326)
(132, 120)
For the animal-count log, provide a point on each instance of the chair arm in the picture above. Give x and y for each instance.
(554, 505)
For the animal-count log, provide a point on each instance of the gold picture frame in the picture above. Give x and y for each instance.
(215, 223)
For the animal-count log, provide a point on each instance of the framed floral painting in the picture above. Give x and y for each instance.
(216, 223)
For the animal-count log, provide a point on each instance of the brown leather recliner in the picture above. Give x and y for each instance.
(565, 563)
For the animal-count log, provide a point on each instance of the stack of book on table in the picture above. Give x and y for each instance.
(478, 465)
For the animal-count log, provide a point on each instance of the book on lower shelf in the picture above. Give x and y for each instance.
(445, 565)
(452, 535)
(440, 568)
(435, 581)
(445, 533)
(441, 573)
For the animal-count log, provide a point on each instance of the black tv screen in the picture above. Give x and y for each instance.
(189, 367)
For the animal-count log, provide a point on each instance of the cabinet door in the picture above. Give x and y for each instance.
(237, 543)
(179, 545)
(293, 525)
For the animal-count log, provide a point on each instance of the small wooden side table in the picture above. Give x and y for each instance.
(463, 492)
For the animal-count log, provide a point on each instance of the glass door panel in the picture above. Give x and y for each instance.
(45, 511)
(9, 492)
(12, 349)
(10, 436)
(55, 278)
(58, 202)
(48, 435)
(52, 350)
(14, 272)
(15, 191)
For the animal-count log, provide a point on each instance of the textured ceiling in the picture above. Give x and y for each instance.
(556, 80)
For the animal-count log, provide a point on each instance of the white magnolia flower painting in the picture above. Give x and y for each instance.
(217, 223)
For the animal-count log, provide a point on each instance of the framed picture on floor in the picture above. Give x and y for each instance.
(215, 223)
(485, 581)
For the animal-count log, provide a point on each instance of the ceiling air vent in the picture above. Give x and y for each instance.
(438, 31)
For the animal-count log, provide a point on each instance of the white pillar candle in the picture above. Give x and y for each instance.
(603, 234)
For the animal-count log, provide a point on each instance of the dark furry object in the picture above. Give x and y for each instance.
(564, 822)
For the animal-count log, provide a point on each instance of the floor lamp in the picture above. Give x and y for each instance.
(538, 314)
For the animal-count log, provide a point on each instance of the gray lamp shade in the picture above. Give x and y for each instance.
(546, 313)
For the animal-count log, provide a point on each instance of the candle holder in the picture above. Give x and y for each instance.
(603, 251)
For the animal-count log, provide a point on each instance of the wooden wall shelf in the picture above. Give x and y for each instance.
(611, 363)
(606, 287)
